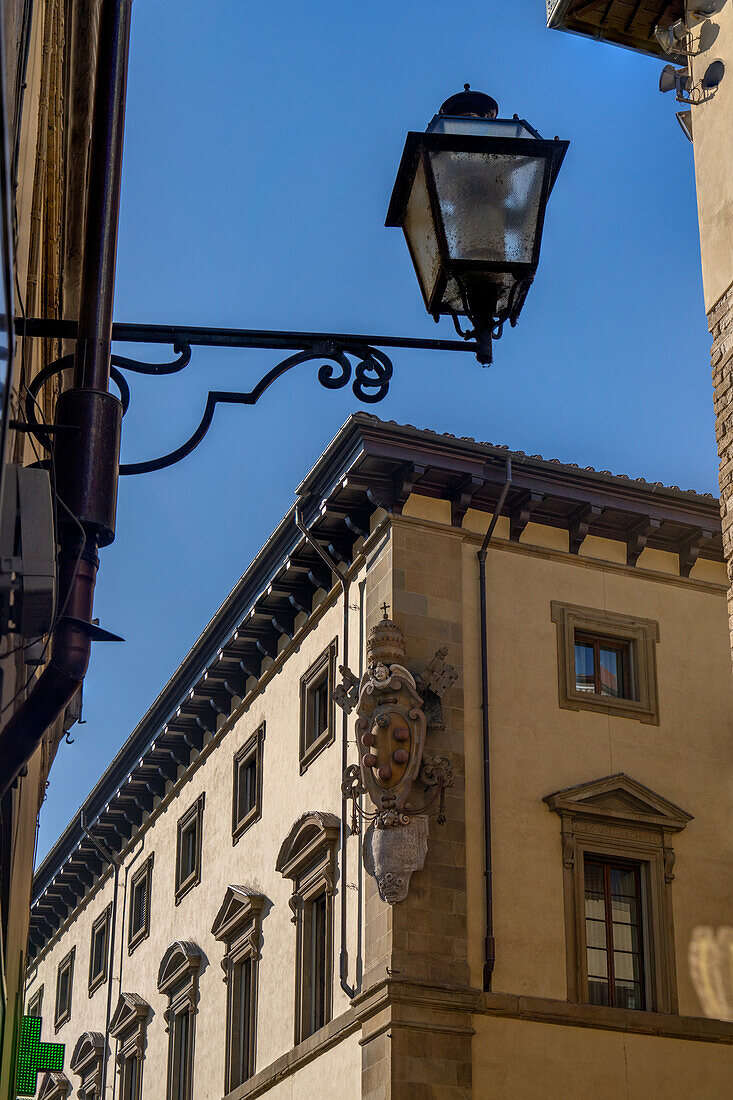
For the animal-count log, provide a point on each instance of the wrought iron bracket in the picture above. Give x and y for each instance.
(371, 367)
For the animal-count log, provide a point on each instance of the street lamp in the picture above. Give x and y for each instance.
(470, 197)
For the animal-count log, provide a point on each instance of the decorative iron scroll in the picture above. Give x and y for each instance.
(342, 356)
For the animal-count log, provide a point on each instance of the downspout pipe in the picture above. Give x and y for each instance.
(490, 946)
(109, 858)
(344, 584)
(86, 461)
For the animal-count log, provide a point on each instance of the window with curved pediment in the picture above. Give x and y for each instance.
(54, 1086)
(308, 857)
(86, 1061)
(128, 1026)
(238, 925)
(178, 979)
(618, 865)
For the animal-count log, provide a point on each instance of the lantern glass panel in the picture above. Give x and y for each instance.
(420, 232)
(490, 204)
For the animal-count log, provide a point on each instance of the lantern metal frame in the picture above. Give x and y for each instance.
(486, 320)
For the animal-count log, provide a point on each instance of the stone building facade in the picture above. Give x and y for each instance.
(236, 912)
(703, 32)
(47, 68)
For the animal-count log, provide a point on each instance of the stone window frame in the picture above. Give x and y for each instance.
(54, 1086)
(641, 635)
(238, 925)
(142, 933)
(617, 817)
(254, 746)
(194, 813)
(128, 1026)
(35, 1004)
(103, 921)
(178, 980)
(86, 1061)
(309, 681)
(307, 856)
(60, 1018)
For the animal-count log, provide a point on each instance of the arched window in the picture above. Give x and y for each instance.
(86, 1061)
(128, 1026)
(178, 980)
(238, 925)
(308, 858)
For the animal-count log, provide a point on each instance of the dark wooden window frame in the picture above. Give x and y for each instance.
(621, 646)
(639, 872)
(138, 935)
(101, 924)
(639, 635)
(194, 816)
(67, 963)
(252, 749)
(324, 666)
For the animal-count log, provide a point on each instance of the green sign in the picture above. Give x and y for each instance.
(33, 1056)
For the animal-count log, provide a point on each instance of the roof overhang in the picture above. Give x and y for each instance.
(628, 23)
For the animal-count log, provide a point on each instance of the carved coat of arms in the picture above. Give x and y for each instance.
(391, 728)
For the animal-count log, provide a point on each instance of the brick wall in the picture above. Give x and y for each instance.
(720, 320)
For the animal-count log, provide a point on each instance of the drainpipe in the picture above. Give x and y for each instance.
(490, 957)
(109, 858)
(86, 460)
(344, 584)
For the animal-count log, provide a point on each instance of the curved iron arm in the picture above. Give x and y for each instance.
(372, 369)
(373, 373)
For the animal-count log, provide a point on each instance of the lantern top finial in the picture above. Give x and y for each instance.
(470, 104)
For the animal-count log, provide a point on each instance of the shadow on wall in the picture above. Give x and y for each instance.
(710, 958)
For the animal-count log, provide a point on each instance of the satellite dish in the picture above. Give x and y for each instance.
(713, 75)
(705, 10)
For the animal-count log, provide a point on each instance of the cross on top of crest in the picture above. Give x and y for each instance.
(385, 609)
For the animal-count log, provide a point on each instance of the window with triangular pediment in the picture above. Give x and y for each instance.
(618, 868)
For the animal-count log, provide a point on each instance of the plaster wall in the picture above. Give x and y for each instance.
(521, 1058)
(712, 123)
(251, 862)
(538, 748)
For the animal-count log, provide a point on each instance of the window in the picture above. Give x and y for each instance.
(238, 924)
(86, 1061)
(188, 851)
(247, 796)
(308, 857)
(606, 662)
(129, 1025)
(64, 986)
(602, 667)
(315, 968)
(618, 869)
(140, 890)
(613, 933)
(178, 979)
(35, 1004)
(317, 725)
(54, 1086)
(98, 950)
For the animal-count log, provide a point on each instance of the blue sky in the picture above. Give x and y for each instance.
(261, 146)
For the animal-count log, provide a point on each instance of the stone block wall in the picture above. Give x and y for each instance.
(720, 321)
(417, 998)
